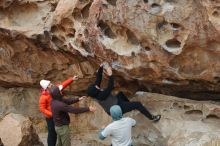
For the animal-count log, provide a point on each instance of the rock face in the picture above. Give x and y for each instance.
(183, 122)
(164, 46)
(16, 130)
(19, 100)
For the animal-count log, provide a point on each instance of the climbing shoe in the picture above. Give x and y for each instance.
(156, 118)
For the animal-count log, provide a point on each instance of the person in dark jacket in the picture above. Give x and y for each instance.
(60, 108)
(106, 100)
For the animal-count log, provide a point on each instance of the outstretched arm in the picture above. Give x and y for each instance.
(65, 83)
(107, 91)
(100, 134)
(99, 76)
(105, 132)
(77, 110)
(70, 101)
(74, 110)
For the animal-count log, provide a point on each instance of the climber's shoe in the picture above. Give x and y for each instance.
(156, 118)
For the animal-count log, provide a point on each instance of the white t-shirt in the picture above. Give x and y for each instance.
(120, 131)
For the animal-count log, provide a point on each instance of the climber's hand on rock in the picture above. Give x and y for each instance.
(109, 71)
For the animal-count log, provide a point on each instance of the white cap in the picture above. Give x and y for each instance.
(44, 84)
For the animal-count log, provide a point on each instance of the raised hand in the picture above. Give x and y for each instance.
(75, 78)
(92, 109)
(109, 71)
(105, 65)
(81, 98)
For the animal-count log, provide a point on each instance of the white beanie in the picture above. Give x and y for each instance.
(44, 84)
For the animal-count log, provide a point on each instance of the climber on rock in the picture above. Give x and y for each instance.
(106, 99)
(45, 108)
(60, 108)
(120, 129)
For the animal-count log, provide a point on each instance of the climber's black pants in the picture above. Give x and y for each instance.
(52, 135)
(128, 106)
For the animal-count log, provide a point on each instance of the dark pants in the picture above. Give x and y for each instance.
(128, 106)
(122, 97)
(52, 135)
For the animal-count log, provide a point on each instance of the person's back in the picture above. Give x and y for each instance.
(119, 129)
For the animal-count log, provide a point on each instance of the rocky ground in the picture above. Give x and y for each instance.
(81, 141)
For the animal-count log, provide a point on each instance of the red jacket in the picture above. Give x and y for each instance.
(45, 99)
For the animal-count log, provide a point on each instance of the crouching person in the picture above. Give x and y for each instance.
(119, 129)
(60, 109)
